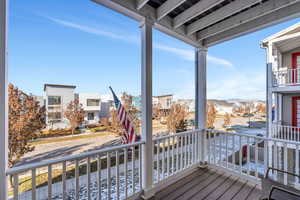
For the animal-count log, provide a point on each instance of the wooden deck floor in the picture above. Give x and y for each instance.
(210, 185)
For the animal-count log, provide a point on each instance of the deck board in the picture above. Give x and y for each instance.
(179, 184)
(210, 185)
(201, 184)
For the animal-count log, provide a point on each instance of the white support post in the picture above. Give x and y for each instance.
(200, 99)
(3, 99)
(280, 107)
(269, 100)
(276, 107)
(147, 158)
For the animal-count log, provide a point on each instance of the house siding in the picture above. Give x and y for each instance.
(67, 95)
(287, 58)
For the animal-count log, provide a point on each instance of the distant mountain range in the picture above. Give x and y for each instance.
(226, 106)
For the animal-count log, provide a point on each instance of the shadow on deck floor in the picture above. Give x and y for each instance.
(210, 185)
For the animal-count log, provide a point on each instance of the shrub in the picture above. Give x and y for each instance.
(57, 132)
(97, 129)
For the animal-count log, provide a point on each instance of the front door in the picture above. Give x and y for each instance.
(296, 111)
(296, 67)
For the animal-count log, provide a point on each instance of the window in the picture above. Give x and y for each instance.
(54, 100)
(169, 101)
(91, 116)
(93, 102)
(54, 115)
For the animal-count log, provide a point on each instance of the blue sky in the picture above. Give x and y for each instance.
(92, 47)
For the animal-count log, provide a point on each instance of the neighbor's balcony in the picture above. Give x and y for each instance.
(286, 77)
(235, 164)
(285, 132)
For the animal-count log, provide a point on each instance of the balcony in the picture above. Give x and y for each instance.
(285, 132)
(232, 167)
(286, 77)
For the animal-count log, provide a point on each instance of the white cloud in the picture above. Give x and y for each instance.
(183, 53)
(91, 30)
(190, 55)
(232, 85)
(219, 61)
(238, 85)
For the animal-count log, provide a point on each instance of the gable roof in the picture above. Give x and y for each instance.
(288, 31)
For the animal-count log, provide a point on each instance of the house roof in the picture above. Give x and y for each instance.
(286, 39)
(165, 95)
(206, 22)
(288, 31)
(58, 86)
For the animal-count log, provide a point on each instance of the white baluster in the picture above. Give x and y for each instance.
(99, 177)
(285, 155)
(256, 159)
(64, 177)
(133, 169)
(16, 186)
(125, 170)
(88, 171)
(33, 172)
(49, 182)
(117, 175)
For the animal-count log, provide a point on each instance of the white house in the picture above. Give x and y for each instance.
(283, 57)
(91, 103)
(57, 99)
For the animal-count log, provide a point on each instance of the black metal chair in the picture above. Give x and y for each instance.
(275, 190)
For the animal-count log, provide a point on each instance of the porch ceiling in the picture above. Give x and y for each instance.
(289, 43)
(207, 22)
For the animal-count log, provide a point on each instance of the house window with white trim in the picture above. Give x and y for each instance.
(93, 102)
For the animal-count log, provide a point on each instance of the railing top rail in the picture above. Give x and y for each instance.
(256, 137)
(287, 69)
(176, 134)
(23, 168)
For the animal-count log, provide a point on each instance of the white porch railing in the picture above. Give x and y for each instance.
(175, 153)
(286, 77)
(110, 173)
(284, 132)
(249, 156)
(115, 173)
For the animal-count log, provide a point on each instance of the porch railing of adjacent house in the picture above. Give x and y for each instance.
(285, 132)
(249, 155)
(286, 77)
(116, 171)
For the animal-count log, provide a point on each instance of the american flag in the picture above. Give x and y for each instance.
(129, 134)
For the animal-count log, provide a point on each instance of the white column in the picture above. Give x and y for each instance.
(200, 98)
(269, 98)
(276, 107)
(280, 107)
(3, 99)
(147, 152)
